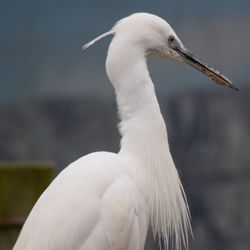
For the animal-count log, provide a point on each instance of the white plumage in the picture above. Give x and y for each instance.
(107, 201)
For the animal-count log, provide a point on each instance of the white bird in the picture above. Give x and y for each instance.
(107, 201)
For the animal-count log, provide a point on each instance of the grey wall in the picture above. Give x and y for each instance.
(209, 137)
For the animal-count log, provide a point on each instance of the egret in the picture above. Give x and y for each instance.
(107, 201)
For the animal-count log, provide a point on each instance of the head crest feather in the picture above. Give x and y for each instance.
(111, 32)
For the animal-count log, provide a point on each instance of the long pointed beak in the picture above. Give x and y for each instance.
(213, 74)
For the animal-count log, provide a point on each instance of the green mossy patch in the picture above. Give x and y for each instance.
(21, 184)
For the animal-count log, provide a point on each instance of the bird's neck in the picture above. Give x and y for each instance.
(141, 124)
(144, 138)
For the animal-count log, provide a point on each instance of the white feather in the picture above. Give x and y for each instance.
(111, 32)
(106, 201)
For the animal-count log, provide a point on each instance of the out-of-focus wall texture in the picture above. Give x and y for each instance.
(56, 102)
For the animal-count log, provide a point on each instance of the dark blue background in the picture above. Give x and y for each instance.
(40, 45)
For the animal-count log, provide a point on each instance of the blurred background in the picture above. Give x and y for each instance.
(56, 103)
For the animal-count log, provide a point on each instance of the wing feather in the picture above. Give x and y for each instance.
(91, 205)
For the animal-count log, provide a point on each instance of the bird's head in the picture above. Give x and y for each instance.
(151, 34)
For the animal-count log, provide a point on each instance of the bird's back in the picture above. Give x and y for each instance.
(94, 203)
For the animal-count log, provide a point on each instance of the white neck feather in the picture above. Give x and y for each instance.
(144, 135)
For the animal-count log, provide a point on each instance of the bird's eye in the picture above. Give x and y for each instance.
(171, 39)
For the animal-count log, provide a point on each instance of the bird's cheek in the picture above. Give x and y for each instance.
(166, 52)
(161, 50)
(173, 55)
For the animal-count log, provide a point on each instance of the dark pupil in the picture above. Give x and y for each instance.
(171, 39)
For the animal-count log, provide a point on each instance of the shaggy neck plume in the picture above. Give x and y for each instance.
(144, 136)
